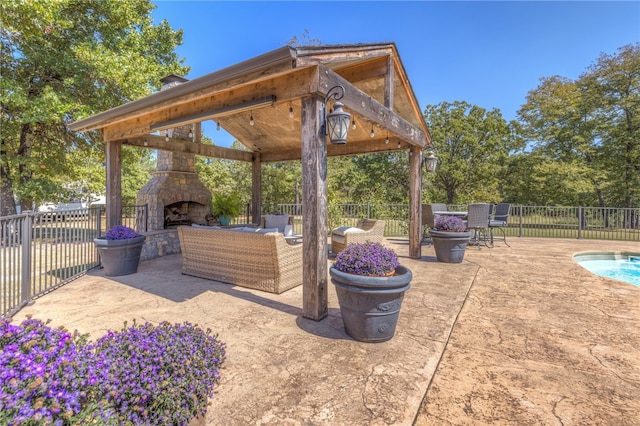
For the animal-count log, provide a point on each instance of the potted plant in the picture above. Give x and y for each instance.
(450, 238)
(370, 284)
(120, 250)
(225, 207)
(143, 374)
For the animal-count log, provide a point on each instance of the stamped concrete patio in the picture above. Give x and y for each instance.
(518, 335)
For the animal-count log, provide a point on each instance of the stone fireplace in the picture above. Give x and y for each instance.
(174, 195)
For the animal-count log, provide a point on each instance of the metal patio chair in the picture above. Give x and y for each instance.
(500, 221)
(478, 221)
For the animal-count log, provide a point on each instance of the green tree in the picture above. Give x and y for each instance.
(591, 126)
(473, 145)
(62, 60)
(611, 92)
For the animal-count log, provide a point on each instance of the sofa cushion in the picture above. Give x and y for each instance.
(266, 230)
(195, 225)
(276, 221)
(244, 229)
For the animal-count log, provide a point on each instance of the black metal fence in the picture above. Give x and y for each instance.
(42, 251)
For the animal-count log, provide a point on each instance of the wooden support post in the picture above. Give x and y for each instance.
(256, 188)
(114, 183)
(415, 202)
(314, 212)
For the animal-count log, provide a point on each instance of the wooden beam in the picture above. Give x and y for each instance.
(361, 103)
(340, 55)
(113, 156)
(314, 212)
(285, 86)
(375, 145)
(415, 202)
(180, 145)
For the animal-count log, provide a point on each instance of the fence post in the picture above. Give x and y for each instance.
(27, 235)
(579, 222)
(520, 219)
(98, 222)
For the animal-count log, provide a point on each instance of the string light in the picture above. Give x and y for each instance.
(386, 141)
(372, 134)
(290, 110)
(353, 124)
(166, 135)
(218, 125)
(251, 122)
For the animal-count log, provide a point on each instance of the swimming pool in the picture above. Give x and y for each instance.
(620, 266)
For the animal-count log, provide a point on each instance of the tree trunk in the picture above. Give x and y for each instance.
(7, 202)
(24, 151)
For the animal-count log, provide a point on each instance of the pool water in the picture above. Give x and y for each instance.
(620, 267)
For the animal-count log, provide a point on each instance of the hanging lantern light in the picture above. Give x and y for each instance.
(338, 120)
(430, 162)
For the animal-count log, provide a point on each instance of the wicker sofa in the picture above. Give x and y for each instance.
(262, 261)
(365, 230)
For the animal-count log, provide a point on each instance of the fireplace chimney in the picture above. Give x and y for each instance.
(175, 195)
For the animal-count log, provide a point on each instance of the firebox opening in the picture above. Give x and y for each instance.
(184, 213)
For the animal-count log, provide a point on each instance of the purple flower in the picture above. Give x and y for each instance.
(144, 374)
(121, 232)
(41, 375)
(450, 223)
(367, 259)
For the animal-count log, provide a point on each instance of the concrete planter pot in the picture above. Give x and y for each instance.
(449, 246)
(120, 257)
(370, 306)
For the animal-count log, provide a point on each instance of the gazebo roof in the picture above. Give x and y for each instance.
(377, 94)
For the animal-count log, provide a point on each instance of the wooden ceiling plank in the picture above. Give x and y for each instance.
(292, 85)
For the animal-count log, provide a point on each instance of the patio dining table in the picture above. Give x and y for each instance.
(450, 213)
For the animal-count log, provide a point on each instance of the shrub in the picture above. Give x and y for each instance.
(367, 259)
(160, 374)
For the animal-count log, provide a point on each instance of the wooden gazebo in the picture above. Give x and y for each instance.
(377, 94)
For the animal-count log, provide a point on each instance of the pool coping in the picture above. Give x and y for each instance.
(609, 255)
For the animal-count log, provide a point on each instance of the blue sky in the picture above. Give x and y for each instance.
(490, 54)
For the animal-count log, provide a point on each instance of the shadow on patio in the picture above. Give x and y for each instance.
(513, 335)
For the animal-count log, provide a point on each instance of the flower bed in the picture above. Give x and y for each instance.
(143, 374)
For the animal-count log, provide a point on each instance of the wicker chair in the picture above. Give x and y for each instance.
(262, 261)
(276, 221)
(365, 230)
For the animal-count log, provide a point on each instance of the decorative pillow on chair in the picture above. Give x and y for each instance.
(338, 234)
(276, 221)
(347, 230)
